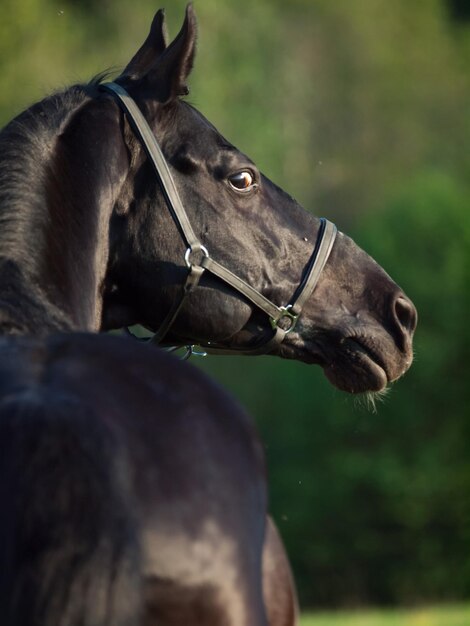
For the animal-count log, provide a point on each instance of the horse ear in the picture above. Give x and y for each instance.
(172, 69)
(152, 48)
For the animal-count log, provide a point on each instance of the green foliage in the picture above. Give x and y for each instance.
(443, 616)
(361, 110)
(423, 235)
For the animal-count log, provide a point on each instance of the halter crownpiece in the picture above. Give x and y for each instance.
(282, 318)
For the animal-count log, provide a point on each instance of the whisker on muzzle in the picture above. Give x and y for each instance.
(370, 399)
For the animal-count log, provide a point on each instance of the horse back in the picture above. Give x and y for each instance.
(142, 456)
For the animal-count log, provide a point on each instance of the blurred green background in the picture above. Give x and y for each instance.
(361, 110)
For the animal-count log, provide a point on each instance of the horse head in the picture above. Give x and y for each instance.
(208, 252)
(357, 324)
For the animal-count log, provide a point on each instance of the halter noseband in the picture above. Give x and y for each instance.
(197, 259)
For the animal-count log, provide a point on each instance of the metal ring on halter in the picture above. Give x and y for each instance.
(190, 351)
(188, 253)
(285, 315)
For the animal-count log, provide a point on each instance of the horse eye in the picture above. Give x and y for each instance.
(241, 181)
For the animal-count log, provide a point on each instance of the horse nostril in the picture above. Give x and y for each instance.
(405, 314)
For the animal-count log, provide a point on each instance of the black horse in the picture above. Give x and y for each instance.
(128, 479)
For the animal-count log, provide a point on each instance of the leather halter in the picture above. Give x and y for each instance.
(198, 260)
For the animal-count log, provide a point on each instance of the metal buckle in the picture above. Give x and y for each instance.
(188, 253)
(189, 351)
(285, 314)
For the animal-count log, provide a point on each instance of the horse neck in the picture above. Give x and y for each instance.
(60, 173)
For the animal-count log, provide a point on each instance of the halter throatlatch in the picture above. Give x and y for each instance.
(198, 260)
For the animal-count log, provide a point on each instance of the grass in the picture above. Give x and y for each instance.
(458, 615)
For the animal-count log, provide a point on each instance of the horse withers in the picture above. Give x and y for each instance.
(133, 488)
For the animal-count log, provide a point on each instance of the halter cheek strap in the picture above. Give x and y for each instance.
(198, 260)
(283, 318)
